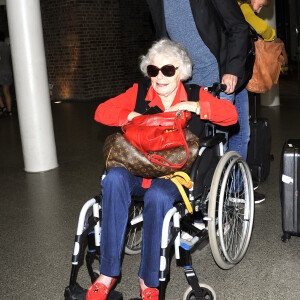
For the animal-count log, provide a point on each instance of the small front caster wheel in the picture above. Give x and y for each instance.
(208, 293)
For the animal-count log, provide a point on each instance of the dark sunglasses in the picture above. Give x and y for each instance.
(167, 70)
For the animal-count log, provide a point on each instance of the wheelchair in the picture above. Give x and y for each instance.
(221, 197)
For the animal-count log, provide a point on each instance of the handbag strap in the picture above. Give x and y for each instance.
(182, 179)
(161, 161)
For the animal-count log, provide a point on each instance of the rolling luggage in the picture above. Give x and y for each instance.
(259, 148)
(289, 187)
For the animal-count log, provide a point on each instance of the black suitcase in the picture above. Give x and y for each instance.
(289, 187)
(259, 148)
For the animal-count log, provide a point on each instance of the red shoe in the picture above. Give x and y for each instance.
(99, 291)
(149, 293)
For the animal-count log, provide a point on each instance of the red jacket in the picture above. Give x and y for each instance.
(114, 112)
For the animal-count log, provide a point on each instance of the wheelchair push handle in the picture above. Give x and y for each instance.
(216, 89)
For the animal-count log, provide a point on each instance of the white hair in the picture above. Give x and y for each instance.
(172, 50)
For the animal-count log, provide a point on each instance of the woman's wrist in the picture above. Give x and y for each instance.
(132, 115)
(197, 111)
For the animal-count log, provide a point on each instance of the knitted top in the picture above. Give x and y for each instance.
(179, 22)
(260, 25)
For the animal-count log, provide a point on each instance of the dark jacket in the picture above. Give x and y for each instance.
(222, 27)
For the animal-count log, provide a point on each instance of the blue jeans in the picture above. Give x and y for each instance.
(225, 130)
(117, 187)
(239, 134)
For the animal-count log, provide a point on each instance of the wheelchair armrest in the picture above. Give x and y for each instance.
(210, 141)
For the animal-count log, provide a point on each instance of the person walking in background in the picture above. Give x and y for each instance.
(250, 9)
(215, 34)
(5, 76)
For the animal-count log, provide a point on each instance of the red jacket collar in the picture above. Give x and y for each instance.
(155, 100)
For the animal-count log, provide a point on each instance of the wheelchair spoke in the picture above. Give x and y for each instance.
(232, 206)
(133, 241)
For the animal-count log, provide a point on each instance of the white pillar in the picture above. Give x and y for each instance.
(31, 85)
(270, 98)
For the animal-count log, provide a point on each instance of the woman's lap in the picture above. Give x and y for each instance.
(118, 186)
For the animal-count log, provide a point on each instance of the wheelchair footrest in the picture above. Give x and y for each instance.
(115, 295)
(75, 292)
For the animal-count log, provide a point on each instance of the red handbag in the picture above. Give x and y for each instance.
(159, 132)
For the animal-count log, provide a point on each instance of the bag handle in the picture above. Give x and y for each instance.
(182, 179)
(161, 161)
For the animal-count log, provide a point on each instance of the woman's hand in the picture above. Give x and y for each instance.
(132, 115)
(185, 105)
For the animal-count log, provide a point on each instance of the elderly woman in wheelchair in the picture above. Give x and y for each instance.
(167, 64)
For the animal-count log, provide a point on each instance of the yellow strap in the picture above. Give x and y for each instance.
(180, 179)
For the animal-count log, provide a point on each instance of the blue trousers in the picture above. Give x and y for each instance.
(117, 187)
(229, 97)
(239, 134)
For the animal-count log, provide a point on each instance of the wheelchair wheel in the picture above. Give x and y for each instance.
(133, 239)
(208, 293)
(230, 210)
